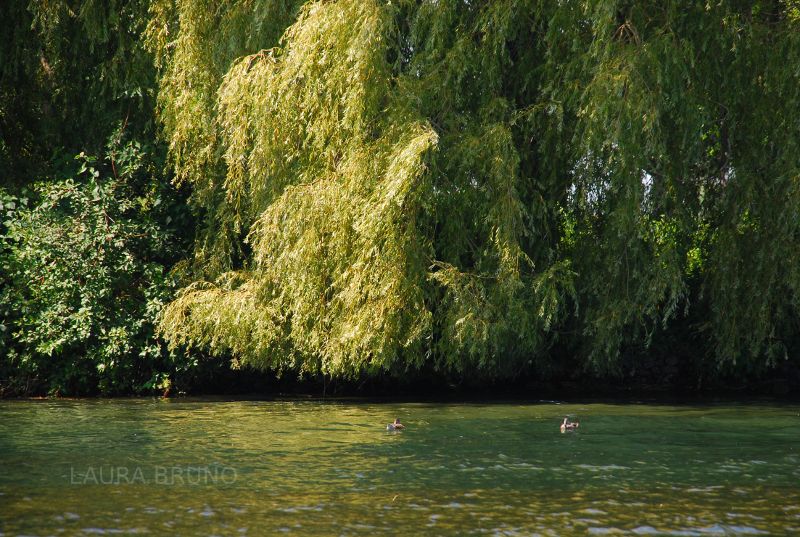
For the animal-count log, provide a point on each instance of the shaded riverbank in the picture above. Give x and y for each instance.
(651, 379)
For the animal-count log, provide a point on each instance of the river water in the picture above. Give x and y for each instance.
(199, 467)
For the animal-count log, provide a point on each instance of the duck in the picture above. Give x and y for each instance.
(395, 425)
(566, 425)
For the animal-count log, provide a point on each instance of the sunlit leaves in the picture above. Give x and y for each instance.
(464, 185)
(326, 181)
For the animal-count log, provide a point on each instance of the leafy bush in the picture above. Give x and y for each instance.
(85, 275)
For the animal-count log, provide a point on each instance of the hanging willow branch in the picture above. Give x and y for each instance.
(456, 185)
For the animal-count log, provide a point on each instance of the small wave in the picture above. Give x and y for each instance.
(603, 531)
(718, 529)
(605, 468)
(525, 466)
(592, 511)
(113, 531)
(746, 530)
(710, 488)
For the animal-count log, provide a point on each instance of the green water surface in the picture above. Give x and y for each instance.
(182, 467)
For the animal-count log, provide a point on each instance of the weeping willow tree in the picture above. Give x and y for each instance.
(684, 155)
(466, 186)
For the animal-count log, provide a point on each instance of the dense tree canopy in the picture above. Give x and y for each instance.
(473, 189)
(468, 184)
(70, 74)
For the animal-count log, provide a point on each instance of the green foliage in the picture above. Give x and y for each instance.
(70, 72)
(465, 185)
(337, 178)
(194, 43)
(327, 188)
(681, 114)
(471, 189)
(84, 270)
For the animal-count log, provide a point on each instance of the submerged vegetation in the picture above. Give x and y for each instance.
(450, 189)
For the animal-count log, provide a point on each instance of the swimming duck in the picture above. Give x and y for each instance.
(567, 426)
(395, 426)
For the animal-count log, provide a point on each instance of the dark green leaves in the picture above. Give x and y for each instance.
(85, 278)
